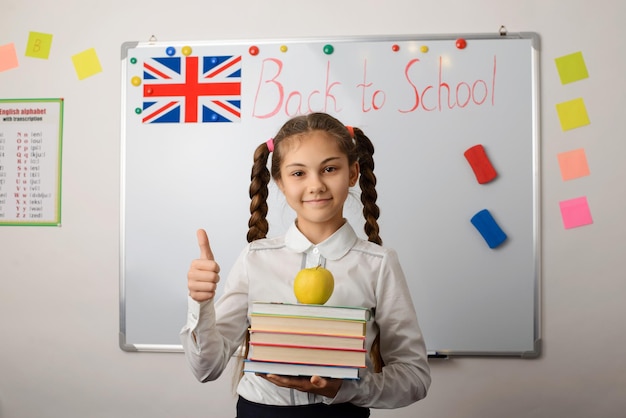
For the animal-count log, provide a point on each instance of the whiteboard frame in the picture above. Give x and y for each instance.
(535, 40)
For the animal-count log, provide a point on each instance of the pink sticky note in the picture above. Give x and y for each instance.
(573, 164)
(8, 57)
(575, 212)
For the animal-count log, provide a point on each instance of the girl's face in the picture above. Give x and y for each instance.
(315, 179)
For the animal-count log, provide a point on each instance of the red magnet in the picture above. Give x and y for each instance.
(254, 50)
(480, 163)
(395, 47)
(461, 43)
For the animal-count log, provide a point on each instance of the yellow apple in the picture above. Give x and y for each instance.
(314, 285)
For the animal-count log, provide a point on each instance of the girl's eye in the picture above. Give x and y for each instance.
(297, 173)
(329, 169)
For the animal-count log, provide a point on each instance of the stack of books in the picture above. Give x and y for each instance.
(307, 340)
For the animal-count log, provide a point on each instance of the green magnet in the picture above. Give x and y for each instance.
(328, 49)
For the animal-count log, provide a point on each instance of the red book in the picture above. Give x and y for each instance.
(307, 355)
(307, 339)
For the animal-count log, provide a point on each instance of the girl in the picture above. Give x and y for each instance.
(315, 161)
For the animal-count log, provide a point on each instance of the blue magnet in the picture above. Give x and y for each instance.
(170, 50)
(488, 228)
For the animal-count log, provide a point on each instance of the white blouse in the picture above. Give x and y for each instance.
(365, 274)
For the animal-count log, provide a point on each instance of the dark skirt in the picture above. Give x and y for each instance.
(247, 409)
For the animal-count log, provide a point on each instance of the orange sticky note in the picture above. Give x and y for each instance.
(572, 114)
(39, 45)
(86, 63)
(575, 212)
(8, 57)
(573, 164)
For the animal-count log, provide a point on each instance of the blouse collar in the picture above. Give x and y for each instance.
(332, 248)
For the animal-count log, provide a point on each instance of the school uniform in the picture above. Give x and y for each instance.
(365, 274)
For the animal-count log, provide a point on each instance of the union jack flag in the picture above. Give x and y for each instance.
(191, 89)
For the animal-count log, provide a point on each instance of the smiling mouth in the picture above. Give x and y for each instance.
(314, 201)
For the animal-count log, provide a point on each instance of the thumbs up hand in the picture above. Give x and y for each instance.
(203, 274)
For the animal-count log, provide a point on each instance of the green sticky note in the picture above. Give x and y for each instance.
(38, 45)
(572, 114)
(571, 67)
(86, 63)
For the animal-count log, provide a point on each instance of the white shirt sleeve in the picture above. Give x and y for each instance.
(209, 345)
(405, 378)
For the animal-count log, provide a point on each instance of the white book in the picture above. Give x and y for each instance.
(355, 313)
(292, 369)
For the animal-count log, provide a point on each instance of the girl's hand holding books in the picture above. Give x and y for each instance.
(314, 384)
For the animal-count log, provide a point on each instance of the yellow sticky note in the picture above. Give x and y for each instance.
(573, 164)
(8, 57)
(86, 63)
(38, 45)
(571, 67)
(572, 114)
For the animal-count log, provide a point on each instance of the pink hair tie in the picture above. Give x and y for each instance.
(270, 144)
(350, 130)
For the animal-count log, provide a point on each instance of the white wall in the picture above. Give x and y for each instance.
(59, 320)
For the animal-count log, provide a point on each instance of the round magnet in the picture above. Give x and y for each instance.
(461, 43)
(254, 50)
(283, 48)
(395, 47)
(135, 81)
(170, 50)
(424, 49)
(133, 60)
(138, 110)
(186, 50)
(328, 49)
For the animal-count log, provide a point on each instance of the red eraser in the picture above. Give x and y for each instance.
(478, 160)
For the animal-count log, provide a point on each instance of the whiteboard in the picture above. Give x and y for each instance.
(422, 100)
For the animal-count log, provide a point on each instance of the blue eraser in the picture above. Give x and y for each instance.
(488, 228)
